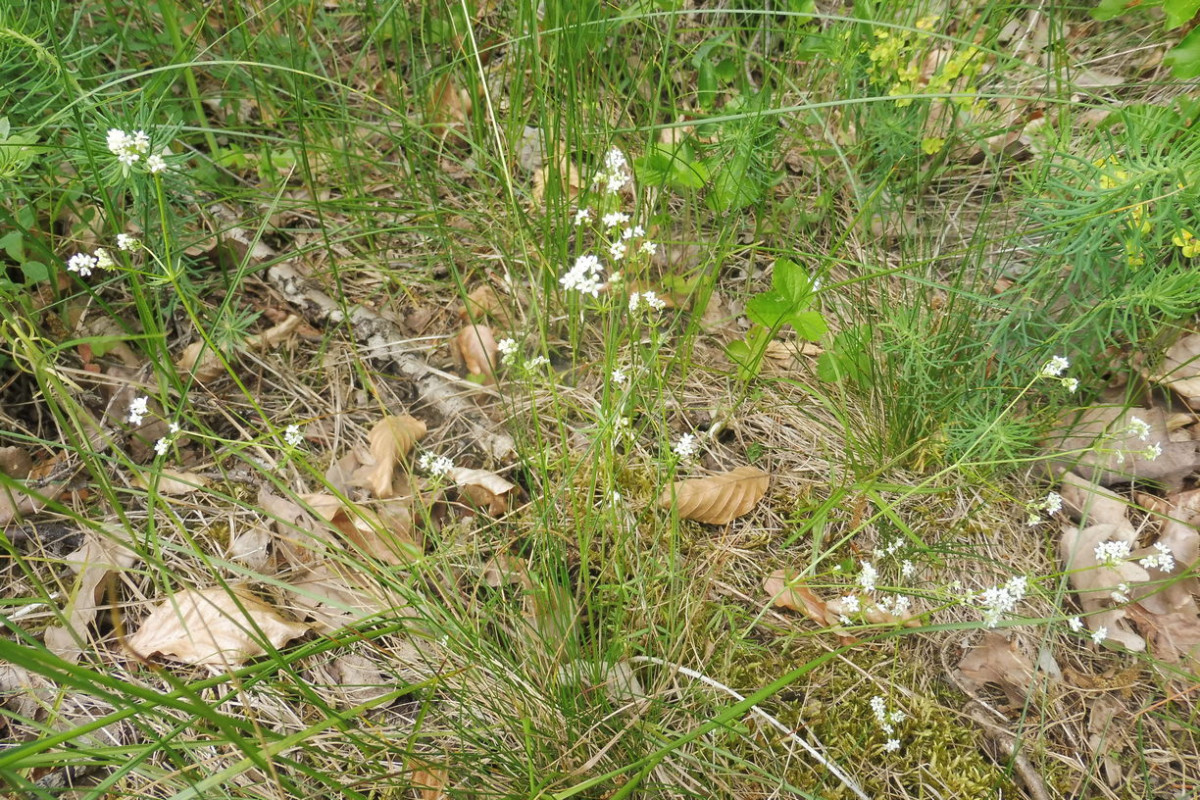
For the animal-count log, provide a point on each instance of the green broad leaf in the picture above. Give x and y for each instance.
(809, 325)
(747, 354)
(1109, 9)
(727, 70)
(770, 309)
(1180, 12)
(706, 85)
(13, 243)
(792, 281)
(35, 272)
(1184, 58)
(4, 127)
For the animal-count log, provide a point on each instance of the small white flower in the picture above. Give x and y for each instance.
(582, 215)
(1034, 519)
(1138, 427)
(173, 428)
(127, 242)
(1053, 503)
(140, 142)
(619, 377)
(867, 576)
(138, 409)
(1163, 560)
(617, 250)
(1071, 384)
(584, 276)
(509, 350)
(156, 164)
(898, 716)
(907, 569)
(614, 219)
(879, 707)
(1152, 452)
(162, 446)
(1121, 595)
(652, 301)
(1100, 634)
(891, 745)
(1055, 367)
(103, 259)
(435, 465)
(817, 284)
(535, 362)
(292, 436)
(851, 603)
(635, 231)
(649, 248)
(686, 447)
(82, 263)
(1075, 624)
(1110, 554)
(614, 160)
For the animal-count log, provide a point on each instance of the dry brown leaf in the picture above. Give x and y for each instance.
(1180, 369)
(787, 592)
(570, 183)
(217, 626)
(430, 781)
(449, 106)
(95, 562)
(1098, 444)
(483, 302)
(484, 490)
(1089, 504)
(390, 440)
(15, 462)
(393, 540)
(475, 348)
(172, 482)
(503, 569)
(210, 367)
(718, 499)
(1174, 637)
(997, 660)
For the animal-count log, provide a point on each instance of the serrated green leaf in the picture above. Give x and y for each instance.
(809, 325)
(1180, 12)
(792, 281)
(1184, 58)
(769, 309)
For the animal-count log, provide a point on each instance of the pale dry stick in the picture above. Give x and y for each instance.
(774, 723)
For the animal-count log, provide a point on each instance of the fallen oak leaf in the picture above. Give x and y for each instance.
(996, 660)
(476, 349)
(483, 489)
(391, 439)
(199, 359)
(717, 499)
(96, 561)
(217, 626)
(787, 591)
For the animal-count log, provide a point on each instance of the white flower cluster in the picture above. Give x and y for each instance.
(164, 444)
(1163, 560)
(645, 301)
(1054, 368)
(438, 466)
(887, 722)
(686, 447)
(585, 276)
(1138, 427)
(130, 147)
(1110, 554)
(127, 242)
(868, 576)
(615, 174)
(84, 264)
(292, 436)
(1051, 505)
(509, 350)
(138, 409)
(1001, 600)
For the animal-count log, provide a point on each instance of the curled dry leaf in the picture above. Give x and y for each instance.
(94, 562)
(1180, 369)
(1089, 504)
(997, 660)
(484, 490)
(718, 499)
(172, 482)
(389, 535)
(476, 349)
(503, 569)
(15, 462)
(218, 626)
(788, 592)
(391, 439)
(1099, 445)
